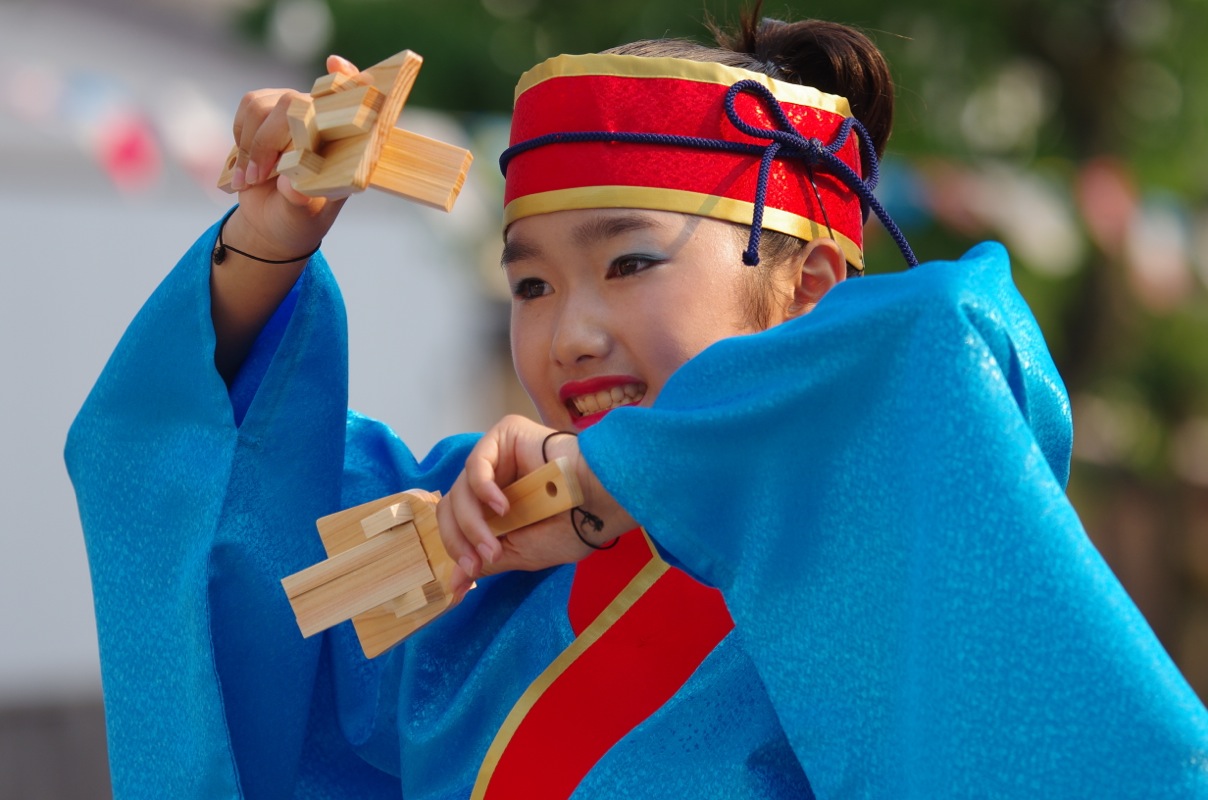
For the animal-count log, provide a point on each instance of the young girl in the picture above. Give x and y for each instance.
(856, 573)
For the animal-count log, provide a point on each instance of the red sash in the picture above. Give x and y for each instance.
(642, 628)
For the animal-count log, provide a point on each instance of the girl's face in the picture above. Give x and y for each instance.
(607, 303)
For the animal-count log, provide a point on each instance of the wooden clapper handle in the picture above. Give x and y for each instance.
(387, 569)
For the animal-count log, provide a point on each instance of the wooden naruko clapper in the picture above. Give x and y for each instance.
(387, 569)
(344, 140)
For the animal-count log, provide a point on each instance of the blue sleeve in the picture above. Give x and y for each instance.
(191, 520)
(878, 491)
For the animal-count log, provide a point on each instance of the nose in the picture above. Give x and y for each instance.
(580, 332)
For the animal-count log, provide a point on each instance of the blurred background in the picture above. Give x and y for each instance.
(1075, 132)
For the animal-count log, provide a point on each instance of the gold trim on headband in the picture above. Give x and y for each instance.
(613, 65)
(677, 200)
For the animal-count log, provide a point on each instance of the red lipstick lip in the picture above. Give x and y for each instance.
(593, 385)
(586, 421)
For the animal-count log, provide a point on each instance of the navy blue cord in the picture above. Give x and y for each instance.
(784, 143)
(750, 256)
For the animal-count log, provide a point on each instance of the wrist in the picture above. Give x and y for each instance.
(599, 519)
(238, 235)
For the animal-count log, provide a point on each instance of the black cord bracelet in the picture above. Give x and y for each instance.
(220, 249)
(588, 518)
(596, 525)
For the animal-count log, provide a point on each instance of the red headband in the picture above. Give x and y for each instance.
(595, 96)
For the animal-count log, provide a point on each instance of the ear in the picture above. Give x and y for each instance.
(821, 266)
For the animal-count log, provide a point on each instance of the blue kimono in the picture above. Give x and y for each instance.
(876, 489)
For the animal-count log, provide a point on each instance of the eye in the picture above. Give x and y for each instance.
(529, 288)
(631, 264)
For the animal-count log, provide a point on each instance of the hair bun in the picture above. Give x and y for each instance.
(826, 55)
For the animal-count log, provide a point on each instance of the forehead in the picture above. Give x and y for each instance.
(587, 225)
(582, 228)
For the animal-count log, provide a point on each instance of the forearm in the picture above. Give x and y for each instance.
(274, 222)
(245, 292)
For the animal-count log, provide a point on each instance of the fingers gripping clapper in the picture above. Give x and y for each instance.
(345, 140)
(387, 569)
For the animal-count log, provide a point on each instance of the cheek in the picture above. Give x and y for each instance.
(666, 345)
(696, 318)
(530, 358)
(667, 328)
(524, 349)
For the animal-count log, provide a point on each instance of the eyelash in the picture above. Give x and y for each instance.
(532, 288)
(645, 261)
(523, 289)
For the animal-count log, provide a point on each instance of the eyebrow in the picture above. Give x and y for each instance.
(599, 229)
(517, 250)
(584, 234)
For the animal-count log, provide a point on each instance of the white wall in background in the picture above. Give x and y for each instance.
(77, 259)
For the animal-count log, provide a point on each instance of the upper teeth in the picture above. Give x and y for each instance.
(609, 398)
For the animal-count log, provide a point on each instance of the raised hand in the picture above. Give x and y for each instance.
(282, 219)
(272, 222)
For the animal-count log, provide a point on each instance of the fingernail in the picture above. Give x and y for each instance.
(253, 173)
(497, 507)
(238, 181)
(467, 565)
(486, 553)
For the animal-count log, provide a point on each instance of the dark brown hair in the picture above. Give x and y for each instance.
(828, 56)
(825, 55)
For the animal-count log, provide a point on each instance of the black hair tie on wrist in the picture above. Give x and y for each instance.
(596, 525)
(589, 519)
(220, 249)
(545, 441)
